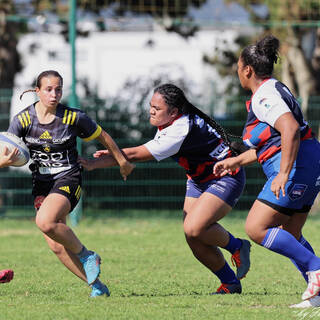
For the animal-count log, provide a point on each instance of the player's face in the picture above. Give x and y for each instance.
(242, 74)
(50, 91)
(160, 115)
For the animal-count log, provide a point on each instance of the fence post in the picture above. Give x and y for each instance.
(75, 215)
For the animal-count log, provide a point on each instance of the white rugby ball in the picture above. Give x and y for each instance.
(11, 141)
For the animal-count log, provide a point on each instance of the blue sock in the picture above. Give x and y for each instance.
(226, 275)
(97, 284)
(83, 253)
(284, 243)
(300, 267)
(234, 244)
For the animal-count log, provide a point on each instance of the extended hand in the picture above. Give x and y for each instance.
(100, 153)
(86, 163)
(279, 183)
(126, 169)
(6, 159)
(226, 166)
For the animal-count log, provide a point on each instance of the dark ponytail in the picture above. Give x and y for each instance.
(174, 97)
(262, 56)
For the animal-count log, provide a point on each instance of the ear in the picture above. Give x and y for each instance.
(248, 71)
(37, 90)
(174, 112)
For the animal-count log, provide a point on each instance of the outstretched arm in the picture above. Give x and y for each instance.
(125, 166)
(103, 159)
(228, 165)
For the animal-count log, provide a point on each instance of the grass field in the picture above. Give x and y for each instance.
(150, 272)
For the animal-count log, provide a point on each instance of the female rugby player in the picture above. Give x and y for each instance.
(50, 131)
(284, 144)
(195, 142)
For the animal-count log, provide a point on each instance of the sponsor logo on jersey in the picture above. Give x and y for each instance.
(55, 141)
(54, 159)
(46, 135)
(46, 148)
(262, 100)
(220, 152)
(65, 188)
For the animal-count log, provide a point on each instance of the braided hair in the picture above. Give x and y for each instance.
(44, 74)
(174, 97)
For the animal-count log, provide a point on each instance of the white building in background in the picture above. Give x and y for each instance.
(109, 59)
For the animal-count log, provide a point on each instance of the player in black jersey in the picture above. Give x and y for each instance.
(50, 130)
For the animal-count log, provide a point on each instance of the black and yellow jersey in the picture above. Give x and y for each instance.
(53, 146)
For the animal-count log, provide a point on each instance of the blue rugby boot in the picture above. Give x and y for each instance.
(228, 288)
(99, 289)
(91, 266)
(241, 259)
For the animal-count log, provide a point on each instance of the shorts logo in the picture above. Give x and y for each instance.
(297, 191)
(318, 182)
(65, 188)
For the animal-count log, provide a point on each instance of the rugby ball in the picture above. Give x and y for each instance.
(11, 141)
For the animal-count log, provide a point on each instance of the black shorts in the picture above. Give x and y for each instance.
(69, 186)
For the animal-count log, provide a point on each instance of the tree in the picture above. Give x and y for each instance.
(9, 57)
(292, 21)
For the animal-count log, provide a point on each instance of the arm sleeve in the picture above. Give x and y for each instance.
(17, 125)
(167, 142)
(269, 109)
(87, 128)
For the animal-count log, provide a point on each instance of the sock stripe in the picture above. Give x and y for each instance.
(273, 233)
(303, 241)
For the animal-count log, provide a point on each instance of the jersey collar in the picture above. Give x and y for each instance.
(248, 102)
(170, 123)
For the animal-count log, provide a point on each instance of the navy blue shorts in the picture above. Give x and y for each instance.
(69, 186)
(227, 188)
(303, 185)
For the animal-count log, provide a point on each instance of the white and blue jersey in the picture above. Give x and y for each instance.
(271, 100)
(196, 146)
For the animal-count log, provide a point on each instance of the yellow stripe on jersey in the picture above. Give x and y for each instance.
(65, 116)
(21, 121)
(94, 135)
(69, 117)
(28, 117)
(74, 114)
(24, 119)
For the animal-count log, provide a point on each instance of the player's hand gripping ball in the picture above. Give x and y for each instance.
(11, 141)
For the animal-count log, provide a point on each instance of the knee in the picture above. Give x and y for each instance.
(253, 231)
(191, 232)
(45, 226)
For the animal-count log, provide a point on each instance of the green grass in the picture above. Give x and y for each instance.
(150, 272)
